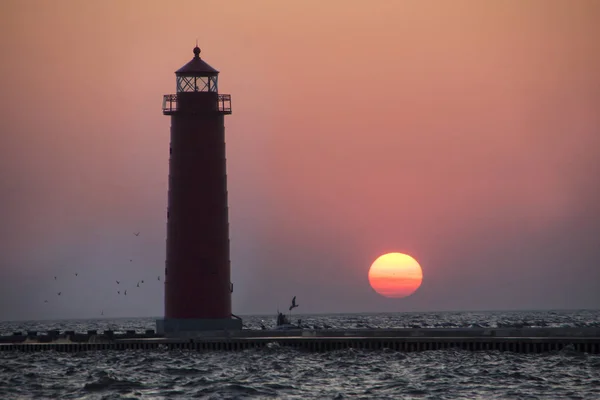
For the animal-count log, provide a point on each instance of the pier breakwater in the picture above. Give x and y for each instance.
(522, 340)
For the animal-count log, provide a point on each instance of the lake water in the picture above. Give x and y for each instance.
(275, 372)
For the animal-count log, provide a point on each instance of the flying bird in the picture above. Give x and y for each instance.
(130, 260)
(136, 233)
(294, 305)
(118, 292)
(45, 301)
(117, 282)
(76, 274)
(125, 293)
(158, 278)
(54, 278)
(59, 293)
(138, 285)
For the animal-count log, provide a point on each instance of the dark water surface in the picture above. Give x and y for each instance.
(275, 372)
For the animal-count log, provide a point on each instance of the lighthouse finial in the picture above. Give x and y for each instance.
(197, 50)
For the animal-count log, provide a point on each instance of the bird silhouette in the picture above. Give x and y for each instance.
(130, 260)
(158, 278)
(125, 293)
(59, 293)
(141, 281)
(136, 233)
(118, 292)
(294, 305)
(54, 278)
(76, 274)
(45, 301)
(138, 285)
(117, 282)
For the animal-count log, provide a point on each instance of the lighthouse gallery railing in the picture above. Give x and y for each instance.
(170, 103)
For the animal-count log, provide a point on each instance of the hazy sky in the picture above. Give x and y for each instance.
(464, 133)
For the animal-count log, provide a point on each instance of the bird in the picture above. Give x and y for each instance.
(294, 305)
(59, 293)
(102, 313)
(54, 278)
(136, 233)
(76, 274)
(45, 301)
(158, 278)
(125, 293)
(117, 282)
(118, 292)
(138, 284)
(130, 260)
(142, 281)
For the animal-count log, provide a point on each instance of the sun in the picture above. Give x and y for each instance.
(395, 275)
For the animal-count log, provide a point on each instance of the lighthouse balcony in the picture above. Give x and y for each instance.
(172, 104)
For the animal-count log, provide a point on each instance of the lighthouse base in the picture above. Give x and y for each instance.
(191, 326)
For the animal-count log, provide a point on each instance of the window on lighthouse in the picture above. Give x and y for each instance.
(197, 84)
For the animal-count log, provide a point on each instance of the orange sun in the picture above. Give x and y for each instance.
(395, 275)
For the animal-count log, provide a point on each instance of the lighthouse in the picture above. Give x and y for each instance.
(197, 270)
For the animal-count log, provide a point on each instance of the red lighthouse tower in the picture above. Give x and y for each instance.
(197, 273)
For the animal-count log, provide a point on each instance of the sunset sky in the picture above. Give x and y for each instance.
(463, 133)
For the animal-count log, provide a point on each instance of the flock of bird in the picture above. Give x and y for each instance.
(118, 289)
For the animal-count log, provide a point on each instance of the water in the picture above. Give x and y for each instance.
(493, 319)
(276, 372)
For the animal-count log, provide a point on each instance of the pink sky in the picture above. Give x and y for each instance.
(464, 133)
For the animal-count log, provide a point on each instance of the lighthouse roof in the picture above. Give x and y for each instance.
(196, 67)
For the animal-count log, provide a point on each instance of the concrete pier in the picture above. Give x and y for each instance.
(524, 340)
